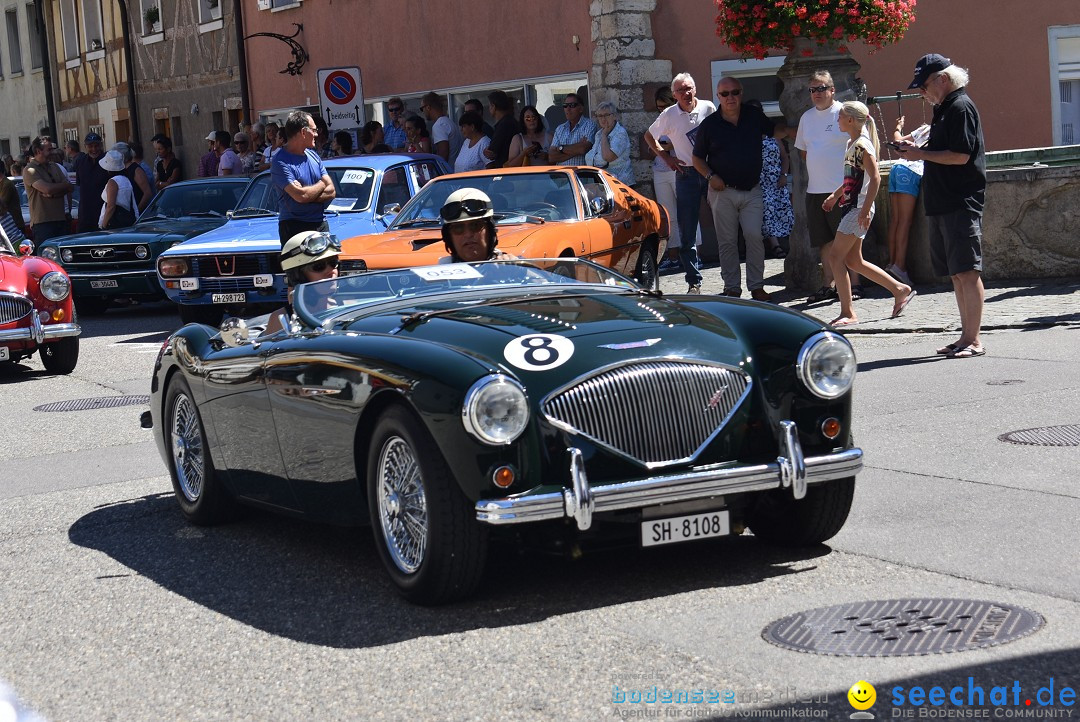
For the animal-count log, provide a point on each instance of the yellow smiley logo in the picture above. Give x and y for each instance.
(862, 695)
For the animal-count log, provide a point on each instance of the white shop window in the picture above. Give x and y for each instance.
(1065, 83)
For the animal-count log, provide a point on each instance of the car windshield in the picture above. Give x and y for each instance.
(353, 187)
(213, 198)
(551, 196)
(452, 285)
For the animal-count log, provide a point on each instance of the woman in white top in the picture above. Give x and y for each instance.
(532, 142)
(856, 197)
(471, 155)
(119, 208)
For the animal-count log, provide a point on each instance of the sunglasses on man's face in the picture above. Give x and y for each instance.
(725, 93)
(819, 88)
(320, 266)
(471, 207)
(396, 109)
(570, 105)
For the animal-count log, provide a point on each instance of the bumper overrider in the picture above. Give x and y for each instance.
(581, 501)
(39, 332)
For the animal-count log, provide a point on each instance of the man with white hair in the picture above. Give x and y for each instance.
(954, 183)
(680, 123)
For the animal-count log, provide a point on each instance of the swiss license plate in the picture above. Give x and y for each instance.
(228, 297)
(655, 532)
(4, 355)
(107, 283)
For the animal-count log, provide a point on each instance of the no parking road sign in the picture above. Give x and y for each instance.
(341, 97)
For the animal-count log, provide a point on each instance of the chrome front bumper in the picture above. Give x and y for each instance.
(40, 332)
(581, 501)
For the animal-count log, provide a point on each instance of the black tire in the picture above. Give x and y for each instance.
(648, 273)
(203, 499)
(61, 356)
(209, 315)
(777, 518)
(425, 528)
(92, 306)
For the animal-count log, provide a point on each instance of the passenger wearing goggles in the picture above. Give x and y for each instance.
(307, 257)
(468, 228)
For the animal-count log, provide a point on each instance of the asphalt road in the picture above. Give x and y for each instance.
(112, 607)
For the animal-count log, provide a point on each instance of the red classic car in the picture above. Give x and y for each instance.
(36, 312)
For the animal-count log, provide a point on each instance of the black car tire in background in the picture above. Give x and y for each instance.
(648, 273)
(436, 555)
(202, 497)
(779, 518)
(60, 356)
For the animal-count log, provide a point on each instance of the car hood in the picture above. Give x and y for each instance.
(15, 272)
(261, 234)
(424, 246)
(171, 230)
(600, 329)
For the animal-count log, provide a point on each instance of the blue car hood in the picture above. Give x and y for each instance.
(261, 234)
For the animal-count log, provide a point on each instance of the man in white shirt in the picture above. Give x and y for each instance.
(680, 123)
(229, 162)
(821, 145)
(446, 138)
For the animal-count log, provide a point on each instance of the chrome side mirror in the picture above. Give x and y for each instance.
(234, 332)
(598, 205)
(391, 209)
(26, 247)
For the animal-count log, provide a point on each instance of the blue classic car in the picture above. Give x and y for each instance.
(121, 263)
(237, 264)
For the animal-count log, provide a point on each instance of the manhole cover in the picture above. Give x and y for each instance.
(1005, 382)
(902, 627)
(102, 402)
(1068, 435)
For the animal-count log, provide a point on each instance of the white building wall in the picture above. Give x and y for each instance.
(22, 94)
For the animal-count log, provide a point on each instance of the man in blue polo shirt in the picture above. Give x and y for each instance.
(301, 179)
(727, 153)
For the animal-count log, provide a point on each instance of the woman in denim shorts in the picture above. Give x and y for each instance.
(905, 177)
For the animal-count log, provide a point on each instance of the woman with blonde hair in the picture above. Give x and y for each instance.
(856, 201)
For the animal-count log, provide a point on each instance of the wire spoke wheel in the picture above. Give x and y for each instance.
(402, 504)
(188, 449)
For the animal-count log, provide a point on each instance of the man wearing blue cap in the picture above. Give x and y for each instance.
(954, 183)
(91, 179)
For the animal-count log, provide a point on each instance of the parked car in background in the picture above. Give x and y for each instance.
(548, 398)
(540, 212)
(25, 204)
(122, 263)
(236, 265)
(36, 312)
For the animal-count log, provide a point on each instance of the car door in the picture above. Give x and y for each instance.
(240, 409)
(615, 225)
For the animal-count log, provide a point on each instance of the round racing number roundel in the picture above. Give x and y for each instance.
(539, 351)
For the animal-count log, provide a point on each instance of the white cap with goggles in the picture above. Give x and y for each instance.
(466, 204)
(308, 247)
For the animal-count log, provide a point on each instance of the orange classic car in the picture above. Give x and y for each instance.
(541, 212)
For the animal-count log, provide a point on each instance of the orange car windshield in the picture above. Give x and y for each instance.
(552, 196)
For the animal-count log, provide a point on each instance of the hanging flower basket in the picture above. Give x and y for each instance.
(752, 28)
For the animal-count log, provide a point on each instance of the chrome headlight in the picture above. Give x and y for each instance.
(50, 253)
(826, 365)
(55, 286)
(67, 254)
(142, 252)
(172, 267)
(496, 410)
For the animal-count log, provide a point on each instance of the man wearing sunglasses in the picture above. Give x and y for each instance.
(727, 154)
(394, 130)
(468, 228)
(574, 138)
(300, 177)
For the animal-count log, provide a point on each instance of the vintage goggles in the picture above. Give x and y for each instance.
(314, 245)
(473, 207)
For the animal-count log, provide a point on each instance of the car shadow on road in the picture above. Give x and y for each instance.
(325, 585)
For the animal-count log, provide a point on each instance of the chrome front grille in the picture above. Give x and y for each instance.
(14, 307)
(655, 412)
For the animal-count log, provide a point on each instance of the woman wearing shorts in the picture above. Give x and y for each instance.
(904, 180)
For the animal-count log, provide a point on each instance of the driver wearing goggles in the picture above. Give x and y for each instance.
(468, 228)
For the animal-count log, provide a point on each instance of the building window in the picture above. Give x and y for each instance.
(36, 56)
(69, 19)
(93, 35)
(209, 10)
(71, 134)
(150, 16)
(24, 146)
(758, 78)
(1065, 83)
(5, 147)
(14, 47)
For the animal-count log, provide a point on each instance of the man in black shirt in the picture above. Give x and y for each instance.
(91, 179)
(954, 189)
(506, 127)
(727, 152)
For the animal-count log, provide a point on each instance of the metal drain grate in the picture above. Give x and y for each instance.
(902, 627)
(102, 402)
(1067, 435)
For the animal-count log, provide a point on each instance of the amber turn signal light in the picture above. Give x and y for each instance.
(503, 477)
(831, 428)
(58, 315)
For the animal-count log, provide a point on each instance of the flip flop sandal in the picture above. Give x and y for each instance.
(968, 352)
(948, 349)
(844, 322)
(904, 303)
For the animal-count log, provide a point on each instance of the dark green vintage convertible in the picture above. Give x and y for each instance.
(448, 403)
